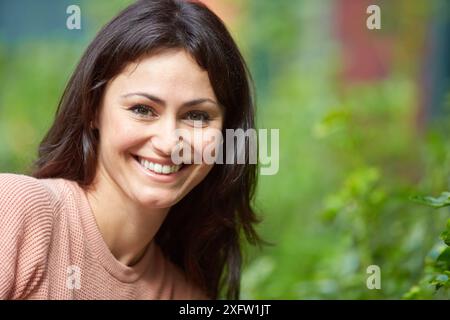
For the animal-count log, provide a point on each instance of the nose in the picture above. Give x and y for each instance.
(165, 139)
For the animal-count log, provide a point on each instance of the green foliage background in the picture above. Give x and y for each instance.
(351, 156)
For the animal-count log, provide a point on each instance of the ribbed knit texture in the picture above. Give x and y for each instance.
(49, 238)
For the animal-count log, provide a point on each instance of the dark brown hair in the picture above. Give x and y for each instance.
(202, 233)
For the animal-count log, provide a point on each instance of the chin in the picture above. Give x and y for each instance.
(158, 202)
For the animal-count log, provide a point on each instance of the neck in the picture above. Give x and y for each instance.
(126, 228)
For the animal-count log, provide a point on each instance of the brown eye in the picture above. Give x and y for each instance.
(198, 116)
(142, 110)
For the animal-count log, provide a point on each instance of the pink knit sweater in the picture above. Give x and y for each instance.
(51, 248)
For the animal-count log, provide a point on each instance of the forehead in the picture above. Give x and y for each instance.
(169, 73)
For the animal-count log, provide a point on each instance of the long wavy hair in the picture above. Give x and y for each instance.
(203, 232)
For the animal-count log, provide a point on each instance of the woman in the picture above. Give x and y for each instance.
(107, 213)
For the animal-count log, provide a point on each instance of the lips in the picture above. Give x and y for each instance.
(159, 167)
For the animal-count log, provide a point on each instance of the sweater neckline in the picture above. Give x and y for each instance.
(100, 249)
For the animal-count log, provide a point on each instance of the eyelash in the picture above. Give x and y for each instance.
(205, 115)
(141, 107)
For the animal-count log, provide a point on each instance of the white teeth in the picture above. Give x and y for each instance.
(159, 168)
(166, 169)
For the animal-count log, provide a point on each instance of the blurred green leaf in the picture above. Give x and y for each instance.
(443, 261)
(445, 235)
(441, 280)
(442, 201)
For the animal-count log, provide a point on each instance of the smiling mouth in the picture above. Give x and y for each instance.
(159, 168)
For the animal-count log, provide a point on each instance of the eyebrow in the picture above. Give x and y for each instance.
(163, 103)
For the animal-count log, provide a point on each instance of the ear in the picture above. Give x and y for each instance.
(93, 125)
(94, 122)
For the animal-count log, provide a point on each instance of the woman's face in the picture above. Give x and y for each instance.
(141, 110)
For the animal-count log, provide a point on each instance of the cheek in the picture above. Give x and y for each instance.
(119, 136)
(205, 147)
(200, 174)
(206, 168)
(206, 142)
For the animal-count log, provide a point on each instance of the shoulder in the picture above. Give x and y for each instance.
(22, 194)
(26, 220)
(26, 198)
(29, 206)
